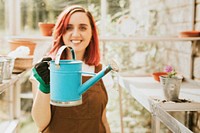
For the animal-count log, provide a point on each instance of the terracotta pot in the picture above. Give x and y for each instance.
(23, 63)
(16, 43)
(190, 34)
(46, 28)
(157, 74)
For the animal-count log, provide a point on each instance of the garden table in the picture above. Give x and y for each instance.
(148, 93)
(12, 88)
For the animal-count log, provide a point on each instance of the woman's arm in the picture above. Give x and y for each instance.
(105, 122)
(41, 112)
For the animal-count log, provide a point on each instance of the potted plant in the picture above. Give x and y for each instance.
(156, 75)
(171, 84)
(46, 28)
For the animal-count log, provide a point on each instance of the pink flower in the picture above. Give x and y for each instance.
(168, 69)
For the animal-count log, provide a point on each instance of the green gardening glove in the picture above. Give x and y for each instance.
(42, 73)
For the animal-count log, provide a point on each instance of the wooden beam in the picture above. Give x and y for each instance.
(13, 16)
(173, 124)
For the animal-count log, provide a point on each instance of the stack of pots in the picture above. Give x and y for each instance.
(22, 63)
(19, 42)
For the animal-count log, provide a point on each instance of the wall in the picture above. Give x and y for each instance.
(197, 58)
(169, 18)
(196, 115)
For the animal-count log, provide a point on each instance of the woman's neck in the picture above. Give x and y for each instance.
(80, 55)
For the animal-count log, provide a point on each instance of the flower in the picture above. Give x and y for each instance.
(170, 71)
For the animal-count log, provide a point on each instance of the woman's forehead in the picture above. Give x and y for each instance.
(79, 17)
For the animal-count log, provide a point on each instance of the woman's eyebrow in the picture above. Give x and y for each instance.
(69, 25)
(79, 24)
(83, 25)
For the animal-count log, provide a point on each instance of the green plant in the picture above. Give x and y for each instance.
(170, 71)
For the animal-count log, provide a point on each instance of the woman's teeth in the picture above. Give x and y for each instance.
(75, 42)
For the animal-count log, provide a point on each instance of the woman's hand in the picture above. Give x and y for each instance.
(42, 69)
(42, 73)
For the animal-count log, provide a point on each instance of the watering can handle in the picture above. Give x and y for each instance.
(59, 53)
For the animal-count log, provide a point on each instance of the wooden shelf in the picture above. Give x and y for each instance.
(115, 38)
(28, 95)
(150, 38)
(8, 126)
(7, 83)
(32, 38)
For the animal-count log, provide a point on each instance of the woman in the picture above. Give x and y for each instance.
(75, 27)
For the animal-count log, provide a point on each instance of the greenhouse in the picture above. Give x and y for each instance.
(143, 74)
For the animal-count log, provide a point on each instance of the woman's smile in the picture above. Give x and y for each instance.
(76, 42)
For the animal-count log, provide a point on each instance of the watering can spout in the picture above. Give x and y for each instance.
(84, 87)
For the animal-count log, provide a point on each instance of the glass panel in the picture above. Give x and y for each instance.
(2, 26)
(34, 11)
(118, 17)
(4, 98)
(2, 18)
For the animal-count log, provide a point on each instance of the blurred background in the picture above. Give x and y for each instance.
(129, 32)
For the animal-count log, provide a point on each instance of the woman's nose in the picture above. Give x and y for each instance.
(75, 32)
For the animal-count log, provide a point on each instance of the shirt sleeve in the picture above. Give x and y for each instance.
(33, 80)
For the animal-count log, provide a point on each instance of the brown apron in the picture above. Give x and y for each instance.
(84, 118)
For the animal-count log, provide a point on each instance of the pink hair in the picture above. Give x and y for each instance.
(92, 53)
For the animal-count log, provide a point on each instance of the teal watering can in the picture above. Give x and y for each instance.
(66, 79)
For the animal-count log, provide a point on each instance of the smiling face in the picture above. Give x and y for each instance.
(78, 32)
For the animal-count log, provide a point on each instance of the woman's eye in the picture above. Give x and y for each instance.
(82, 28)
(69, 28)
